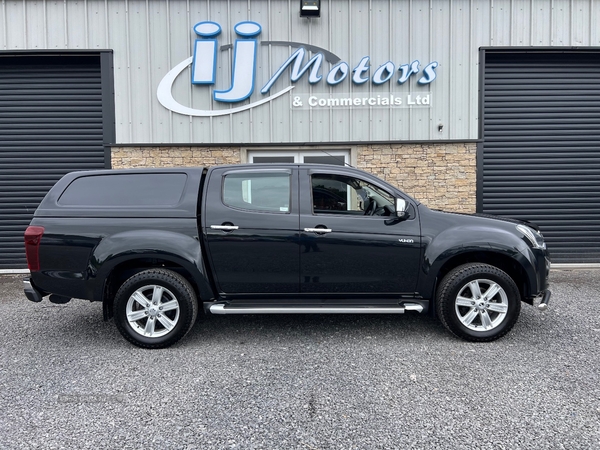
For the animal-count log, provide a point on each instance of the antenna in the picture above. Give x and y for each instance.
(339, 158)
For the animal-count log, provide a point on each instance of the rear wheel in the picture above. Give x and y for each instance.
(478, 302)
(155, 308)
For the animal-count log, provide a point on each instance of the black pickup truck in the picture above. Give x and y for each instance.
(156, 246)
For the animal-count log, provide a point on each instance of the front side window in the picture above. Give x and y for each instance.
(258, 191)
(339, 194)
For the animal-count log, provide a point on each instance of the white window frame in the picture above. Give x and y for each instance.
(347, 153)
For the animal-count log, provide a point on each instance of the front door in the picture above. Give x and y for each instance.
(251, 223)
(360, 249)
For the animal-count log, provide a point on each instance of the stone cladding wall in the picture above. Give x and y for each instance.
(134, 157)
(442, 176)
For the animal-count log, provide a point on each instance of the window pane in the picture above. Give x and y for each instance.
(329, 194)
(273, 159)
(125, 190)
(337, 194)
(325, 159)
(258, 191)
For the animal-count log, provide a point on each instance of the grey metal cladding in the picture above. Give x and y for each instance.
(541, 158)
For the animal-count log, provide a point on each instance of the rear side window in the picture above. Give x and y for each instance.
(125, 190)
(259, 191)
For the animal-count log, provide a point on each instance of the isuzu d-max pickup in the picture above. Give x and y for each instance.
(159, 246)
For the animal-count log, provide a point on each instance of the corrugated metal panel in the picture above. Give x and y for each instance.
(50, 124)
(541, 151)
(151, 37)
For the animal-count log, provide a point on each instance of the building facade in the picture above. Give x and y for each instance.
(490, 106)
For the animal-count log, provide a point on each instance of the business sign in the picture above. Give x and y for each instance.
(346, 100)
(243, 79)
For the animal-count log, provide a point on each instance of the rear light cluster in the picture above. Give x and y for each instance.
(33, 237)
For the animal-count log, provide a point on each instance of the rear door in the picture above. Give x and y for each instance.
(251, 220)
(348, 243)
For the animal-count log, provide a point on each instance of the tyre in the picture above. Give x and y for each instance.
(155, 308)
(478, 302)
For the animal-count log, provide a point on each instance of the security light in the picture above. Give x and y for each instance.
(310, 8)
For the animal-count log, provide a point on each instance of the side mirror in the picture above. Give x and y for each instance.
(402, 208)
(401, 212)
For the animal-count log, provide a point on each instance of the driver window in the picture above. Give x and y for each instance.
(338, 194)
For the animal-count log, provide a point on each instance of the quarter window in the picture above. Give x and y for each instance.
(258, 191)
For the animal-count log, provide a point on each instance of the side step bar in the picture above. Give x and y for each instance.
(220, 308)
(543, 305)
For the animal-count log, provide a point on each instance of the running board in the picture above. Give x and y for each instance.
(220, 308)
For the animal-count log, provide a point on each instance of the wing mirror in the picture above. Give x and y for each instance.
(402, 208)
(401, 212)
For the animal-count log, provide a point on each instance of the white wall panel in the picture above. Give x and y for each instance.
(150, 37)
(56, 34)
(339, 44)
(419, 119)
(180, 41)
(442, 51)
(594, 21)
(379, 23)
(15, 25)
(35, 30)
(97, 24)
(77, 24)
(562, 22)
(520, 22)
(542, 22)
(118, 38)
(501, 24)
(139, 69)
(460, 74)
(320, 126)
(158, 54)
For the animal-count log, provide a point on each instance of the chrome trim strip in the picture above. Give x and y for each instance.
(575, 266)
(220, 308)
(27, 284)
(413, 307)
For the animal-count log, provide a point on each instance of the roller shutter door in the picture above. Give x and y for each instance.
(540, 158)
(51, 123)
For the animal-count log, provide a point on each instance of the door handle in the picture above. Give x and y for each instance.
(318, 230)
(224, 227)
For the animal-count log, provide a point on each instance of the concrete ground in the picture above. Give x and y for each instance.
(302, 382)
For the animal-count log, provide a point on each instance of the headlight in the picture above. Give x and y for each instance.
(535, 237)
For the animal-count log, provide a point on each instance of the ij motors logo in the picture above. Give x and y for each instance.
(204, 64)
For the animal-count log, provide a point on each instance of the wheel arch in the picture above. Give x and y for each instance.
(472, 313)
(125, 268)
(513, 268)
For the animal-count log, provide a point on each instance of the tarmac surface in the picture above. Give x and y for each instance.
(69, 380)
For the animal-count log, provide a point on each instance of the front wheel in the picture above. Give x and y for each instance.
(155, 308)
(478, 302)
